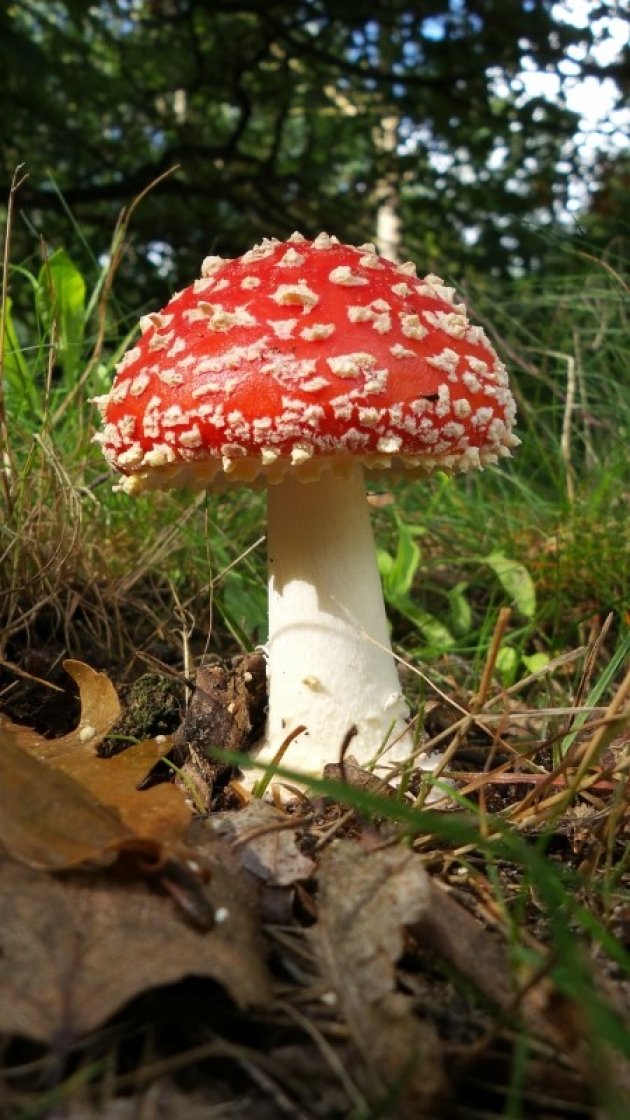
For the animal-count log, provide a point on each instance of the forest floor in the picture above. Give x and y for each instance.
(174, 948)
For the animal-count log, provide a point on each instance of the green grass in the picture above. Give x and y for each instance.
(559, 509)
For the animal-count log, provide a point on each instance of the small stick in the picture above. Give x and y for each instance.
(501, 624)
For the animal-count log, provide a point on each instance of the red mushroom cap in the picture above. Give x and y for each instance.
(299, 355)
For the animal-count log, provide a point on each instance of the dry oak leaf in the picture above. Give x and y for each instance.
(267, 843)
(73, 951)
(61, 805)
(365, 902)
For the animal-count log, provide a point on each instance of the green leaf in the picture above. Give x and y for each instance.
(243, 606)
(398, 572)
(515, 580)
(506, 665)
(15, 369)
(534, 662)
(385, 565)
(460, 610)
(434, 632)
(61, 298)
(14, 365)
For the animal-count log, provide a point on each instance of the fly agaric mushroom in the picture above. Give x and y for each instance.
(300, 366)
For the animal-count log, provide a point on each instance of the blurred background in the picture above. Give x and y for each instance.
(483, 132)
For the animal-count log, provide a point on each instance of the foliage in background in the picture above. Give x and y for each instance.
(281, 116)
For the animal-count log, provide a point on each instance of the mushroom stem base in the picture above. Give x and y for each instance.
(330, 664)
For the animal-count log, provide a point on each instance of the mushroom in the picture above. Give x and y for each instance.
(300, 366)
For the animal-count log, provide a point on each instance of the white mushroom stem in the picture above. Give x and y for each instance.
(330, 664)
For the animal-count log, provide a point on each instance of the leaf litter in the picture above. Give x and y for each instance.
(111, 889)
(76, 949)
(96, 807)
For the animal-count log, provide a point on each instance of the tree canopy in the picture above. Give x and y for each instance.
(275, 116)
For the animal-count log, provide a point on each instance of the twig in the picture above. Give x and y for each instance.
(329, 1054)
(479, 699)
(12, 668)
(292, 822)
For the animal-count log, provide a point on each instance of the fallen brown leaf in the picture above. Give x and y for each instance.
(267, 841)
(47, 820)
(74, 951)
(366, 901)
(61, 805)
(355, 776)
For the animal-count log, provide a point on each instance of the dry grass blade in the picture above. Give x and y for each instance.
(44, 540)
(19, 672)
(116, 254)
(6, 464)
(330, 1056)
